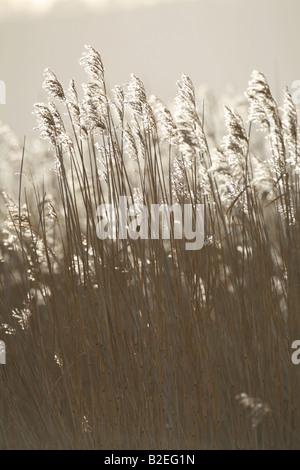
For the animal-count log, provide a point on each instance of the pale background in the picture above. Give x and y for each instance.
(218, 42)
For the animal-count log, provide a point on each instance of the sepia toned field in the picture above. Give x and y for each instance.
(142, 344)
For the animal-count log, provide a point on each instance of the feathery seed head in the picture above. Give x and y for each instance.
(136, 90)
(119, 102)
(191, 135)
(186, 93)
(165, 120)
(92, 63)
(149, 119)
(129, 143)
(62, 137)
(290, 129)
(263, 107)
(264, 111)
(46, 123)
(52, 85)
(73, 104)
(93, 109)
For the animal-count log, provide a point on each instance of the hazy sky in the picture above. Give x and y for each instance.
(36, 7)
(218, 42)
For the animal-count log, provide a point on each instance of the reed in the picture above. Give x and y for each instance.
(141, 344)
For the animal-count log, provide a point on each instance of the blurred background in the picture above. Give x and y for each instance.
(218, 42)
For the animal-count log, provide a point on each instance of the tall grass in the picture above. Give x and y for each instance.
(141, 344)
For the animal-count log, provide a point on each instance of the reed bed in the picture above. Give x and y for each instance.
(142, 344)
